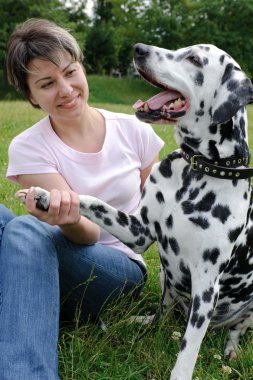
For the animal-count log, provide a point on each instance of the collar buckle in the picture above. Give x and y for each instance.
(193, 162)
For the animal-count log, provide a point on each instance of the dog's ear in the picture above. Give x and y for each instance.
(235, 91)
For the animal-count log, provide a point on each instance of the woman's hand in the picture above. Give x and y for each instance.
(63, 209)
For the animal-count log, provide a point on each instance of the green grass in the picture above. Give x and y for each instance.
(87, 353)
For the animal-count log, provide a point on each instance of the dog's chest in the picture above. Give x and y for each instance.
(197, 214)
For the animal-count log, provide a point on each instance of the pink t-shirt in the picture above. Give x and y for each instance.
(113, 174)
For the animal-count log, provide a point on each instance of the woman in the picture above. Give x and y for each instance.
(74, 149)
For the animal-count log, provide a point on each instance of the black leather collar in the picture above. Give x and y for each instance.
(224, 168)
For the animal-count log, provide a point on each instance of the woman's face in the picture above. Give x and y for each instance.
(61, 91)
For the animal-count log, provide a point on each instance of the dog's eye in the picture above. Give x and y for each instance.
(195, 60)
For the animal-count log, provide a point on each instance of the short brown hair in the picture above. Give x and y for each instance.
(37, 38)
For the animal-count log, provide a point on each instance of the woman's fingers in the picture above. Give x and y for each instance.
(63, 208)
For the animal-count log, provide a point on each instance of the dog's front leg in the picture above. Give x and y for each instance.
(130, 229)
(203, 303)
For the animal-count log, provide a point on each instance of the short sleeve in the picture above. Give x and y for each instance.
(29, 155)
(149, 144)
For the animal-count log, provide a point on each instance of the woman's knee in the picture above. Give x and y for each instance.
(27, 237)
(5, 216)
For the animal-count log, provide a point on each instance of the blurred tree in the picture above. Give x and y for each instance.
(100, 49)
(109, 36)
(225, 23)
(14, 12)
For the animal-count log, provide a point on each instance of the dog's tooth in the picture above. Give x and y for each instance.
(146, 107)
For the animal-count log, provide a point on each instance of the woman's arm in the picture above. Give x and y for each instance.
(145, 172)
(63, 210)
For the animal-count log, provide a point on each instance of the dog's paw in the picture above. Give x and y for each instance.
(42, 198)
(230, 354)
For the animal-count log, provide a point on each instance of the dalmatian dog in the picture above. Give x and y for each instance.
(196, 202)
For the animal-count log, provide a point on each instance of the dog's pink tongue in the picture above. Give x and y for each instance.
(157, 101)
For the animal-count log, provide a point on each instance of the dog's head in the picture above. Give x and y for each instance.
(197, 81)
(204, 92)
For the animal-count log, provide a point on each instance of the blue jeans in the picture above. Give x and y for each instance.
(38, 267)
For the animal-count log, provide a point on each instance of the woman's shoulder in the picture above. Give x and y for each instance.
(35, 131)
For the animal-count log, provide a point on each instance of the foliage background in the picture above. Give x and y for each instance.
(107, 36)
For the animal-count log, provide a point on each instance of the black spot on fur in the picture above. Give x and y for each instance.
(122, 219)
(226, 131)
(207, 295)
(213, 129)
(169, 56)
(159, 197)
(143, 193)
(211, 255)
(152, 178)
(221, 212)
(144, 215)
(107, 222)
(222, 57)
(200, 113)
(187, 207)
(158, 231)
(199, 78)
(192, 142)
(100, 209)
(183, 344)
(233, 234)
(141, 241)
(136, 228)
(193, 194)
(164, 243)
(200, 321)
(206, 202)
(196, 304)
(174, 245)
(165, 168)
(185, 130)
(194, 319)
(227, 73)
(212, 149)
(201, 222)
(169, 221)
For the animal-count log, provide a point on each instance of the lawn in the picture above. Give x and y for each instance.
(85, 352)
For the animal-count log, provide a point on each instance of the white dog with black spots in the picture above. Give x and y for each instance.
(197, 202)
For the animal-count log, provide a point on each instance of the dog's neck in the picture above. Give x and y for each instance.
(218, 141)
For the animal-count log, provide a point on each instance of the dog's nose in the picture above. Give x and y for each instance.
(141, 51)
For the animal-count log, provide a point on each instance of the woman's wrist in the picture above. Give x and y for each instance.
(81, 232)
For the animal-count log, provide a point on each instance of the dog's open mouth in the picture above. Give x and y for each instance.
(165, 107)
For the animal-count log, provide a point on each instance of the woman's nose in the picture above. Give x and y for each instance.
(64, 88)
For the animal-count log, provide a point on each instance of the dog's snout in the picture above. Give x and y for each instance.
(141, 51)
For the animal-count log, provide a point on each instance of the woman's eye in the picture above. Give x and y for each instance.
(71, 72)
(47, 85)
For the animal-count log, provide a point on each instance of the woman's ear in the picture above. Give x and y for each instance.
(33, 102)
